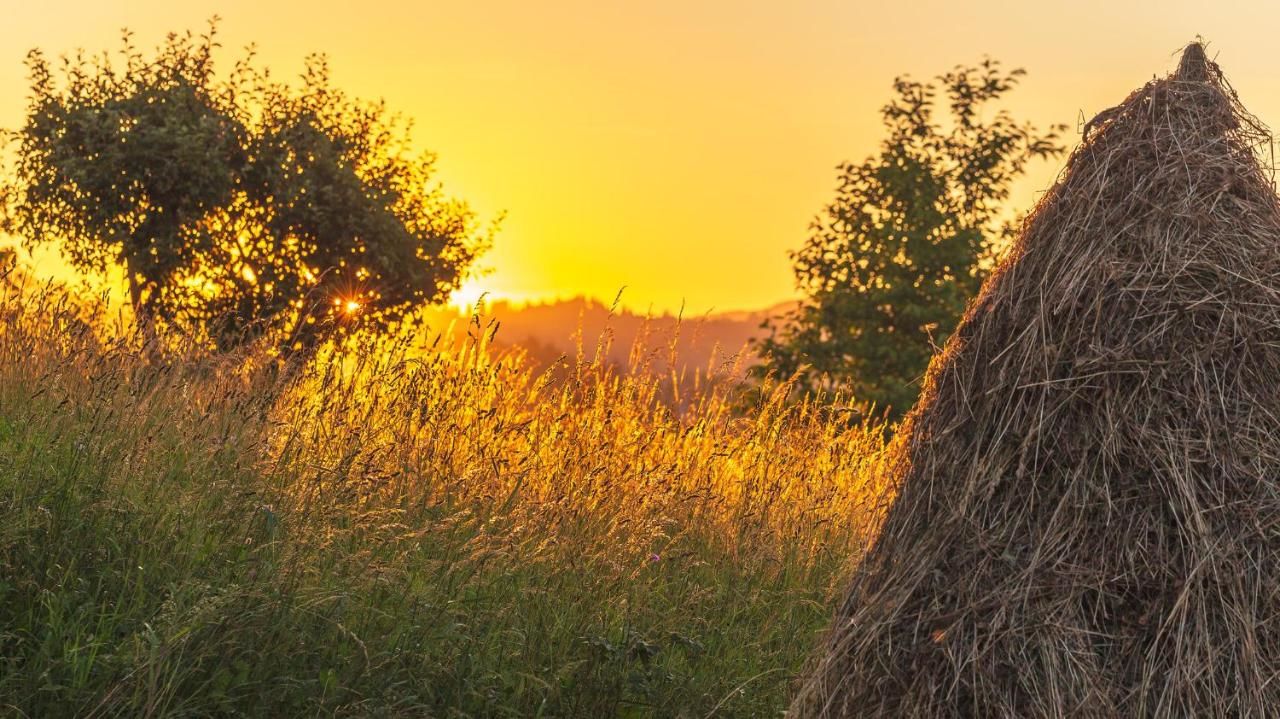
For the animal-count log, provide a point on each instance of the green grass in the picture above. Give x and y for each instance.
(436, 535)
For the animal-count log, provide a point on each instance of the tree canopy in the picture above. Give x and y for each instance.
(239, 206)
(891, 262)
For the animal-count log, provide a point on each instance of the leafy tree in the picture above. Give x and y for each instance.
(238, 206)
(891, 263)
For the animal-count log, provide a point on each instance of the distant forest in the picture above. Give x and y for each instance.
(548, 331)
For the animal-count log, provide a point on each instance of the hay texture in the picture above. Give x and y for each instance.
(1087, 519)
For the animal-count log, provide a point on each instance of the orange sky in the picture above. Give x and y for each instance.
(677, 148)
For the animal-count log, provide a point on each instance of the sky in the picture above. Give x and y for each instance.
(678, 149)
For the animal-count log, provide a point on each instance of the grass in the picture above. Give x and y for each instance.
(405, 532)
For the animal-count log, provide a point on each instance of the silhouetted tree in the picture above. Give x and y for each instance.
(890, 264)
(237, 206)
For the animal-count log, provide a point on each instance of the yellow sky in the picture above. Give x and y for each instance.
(677, 148)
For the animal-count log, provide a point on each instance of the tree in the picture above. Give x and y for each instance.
(240, 206)
(890, 264)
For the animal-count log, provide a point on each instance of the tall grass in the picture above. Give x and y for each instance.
(400, 531)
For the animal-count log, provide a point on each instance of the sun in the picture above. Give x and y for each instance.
(465, 297)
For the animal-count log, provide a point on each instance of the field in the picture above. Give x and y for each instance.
(406, 531)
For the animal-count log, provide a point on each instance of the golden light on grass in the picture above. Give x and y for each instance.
(448, 473)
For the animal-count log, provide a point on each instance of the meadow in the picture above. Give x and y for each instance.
(408, 529)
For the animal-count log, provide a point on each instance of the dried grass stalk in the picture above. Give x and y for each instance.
(1087, 521)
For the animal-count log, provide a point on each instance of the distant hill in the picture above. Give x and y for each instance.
(548, 331)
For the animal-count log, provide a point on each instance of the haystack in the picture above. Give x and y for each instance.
(1087, 520)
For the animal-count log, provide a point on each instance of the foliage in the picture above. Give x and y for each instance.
(440, 533)
(238, 206)
(890, 264)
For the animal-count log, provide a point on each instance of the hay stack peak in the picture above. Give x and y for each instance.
(1194, 66)
(1087, 519)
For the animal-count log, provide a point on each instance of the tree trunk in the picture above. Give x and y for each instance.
(142, 315)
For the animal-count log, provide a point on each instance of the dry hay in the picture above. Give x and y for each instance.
(1088, 512)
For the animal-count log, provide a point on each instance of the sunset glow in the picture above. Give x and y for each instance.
(592, 358)
(678, 149)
